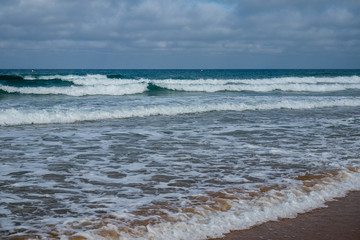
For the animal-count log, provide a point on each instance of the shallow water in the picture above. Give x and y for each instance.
(102, 155)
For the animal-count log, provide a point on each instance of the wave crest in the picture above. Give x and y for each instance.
(81, 85)
(57, 115)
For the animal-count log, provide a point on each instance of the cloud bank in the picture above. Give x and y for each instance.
(179, 34)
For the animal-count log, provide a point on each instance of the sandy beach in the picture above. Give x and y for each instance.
(340, 220)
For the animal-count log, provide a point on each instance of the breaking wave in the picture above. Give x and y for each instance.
(216, 213)
(14, 116)
(97, 84)
(212, 214)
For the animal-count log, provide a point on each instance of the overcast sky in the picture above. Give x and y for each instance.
(179, 34)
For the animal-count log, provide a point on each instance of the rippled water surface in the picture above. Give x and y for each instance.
(150, 145)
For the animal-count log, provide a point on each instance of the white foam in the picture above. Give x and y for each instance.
(98, 81)
(308, 84)
(114, 90)
(88, 80)
(67, 77)
(267, 81)
(244, 213)
(260, 88)
(275, 80)
(309, 80)
(57, 115)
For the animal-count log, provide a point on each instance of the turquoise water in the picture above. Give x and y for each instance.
(130, 154)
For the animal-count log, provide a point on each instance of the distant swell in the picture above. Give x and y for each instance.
(97, 84)
(58, 115)
(10, 77)
(118, 76)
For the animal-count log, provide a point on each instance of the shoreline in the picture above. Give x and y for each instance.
(340, 220)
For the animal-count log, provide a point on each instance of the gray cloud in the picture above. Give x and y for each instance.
(179, 33)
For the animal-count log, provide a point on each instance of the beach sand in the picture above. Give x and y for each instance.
(340, 220)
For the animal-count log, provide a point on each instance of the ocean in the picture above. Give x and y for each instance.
(172, 154)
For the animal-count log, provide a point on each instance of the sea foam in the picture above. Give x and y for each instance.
(14, 116)
(114, 90)
(98, 84)
(233, 209)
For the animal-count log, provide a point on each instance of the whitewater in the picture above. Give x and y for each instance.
(103, 85)
(172, 154)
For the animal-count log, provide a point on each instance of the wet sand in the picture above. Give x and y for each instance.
(340, 220)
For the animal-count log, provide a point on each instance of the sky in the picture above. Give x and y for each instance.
(120, 34)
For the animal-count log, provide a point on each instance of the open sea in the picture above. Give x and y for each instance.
(172, 154)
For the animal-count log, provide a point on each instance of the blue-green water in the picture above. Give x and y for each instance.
(109, 154)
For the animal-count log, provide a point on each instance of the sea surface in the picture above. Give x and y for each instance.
(172, 154)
